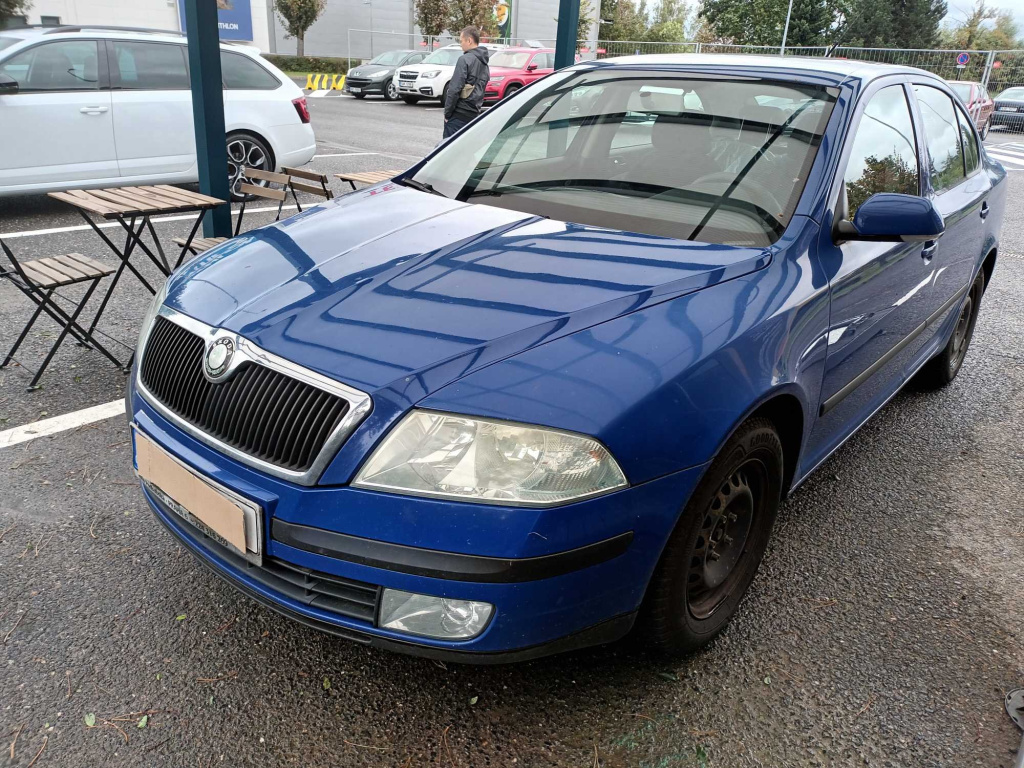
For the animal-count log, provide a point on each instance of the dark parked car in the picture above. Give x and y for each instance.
(377, 76)
(553, 381)
(1010, 109)
(979, 104)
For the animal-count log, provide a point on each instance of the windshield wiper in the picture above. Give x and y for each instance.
(422, 186)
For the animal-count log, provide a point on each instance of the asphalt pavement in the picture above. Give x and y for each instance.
(883, 629)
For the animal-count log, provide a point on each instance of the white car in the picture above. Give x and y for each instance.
(429, 79)
(88, 107)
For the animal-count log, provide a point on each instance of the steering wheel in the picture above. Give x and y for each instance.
(753, 192)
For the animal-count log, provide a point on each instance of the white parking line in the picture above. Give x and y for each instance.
(114, 224)
(62, 423)
(345, 154)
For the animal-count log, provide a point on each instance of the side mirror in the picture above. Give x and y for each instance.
(887, 216)
(531, 68)
(8, 85)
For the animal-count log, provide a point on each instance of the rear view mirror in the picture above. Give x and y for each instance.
(8, 85)
(887, 216)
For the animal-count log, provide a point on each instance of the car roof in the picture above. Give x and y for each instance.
(842, 69)
(526, 49)
(115, 33)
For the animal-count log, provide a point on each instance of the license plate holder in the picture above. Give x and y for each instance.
(220, 513)
(356, 90)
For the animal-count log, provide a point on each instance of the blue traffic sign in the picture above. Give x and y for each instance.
(962, 58)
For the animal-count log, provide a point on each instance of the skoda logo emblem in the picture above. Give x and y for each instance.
(218, 357)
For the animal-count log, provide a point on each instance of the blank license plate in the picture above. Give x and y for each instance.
(225, 516)
(356, 90)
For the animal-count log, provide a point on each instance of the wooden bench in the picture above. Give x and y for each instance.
(200, 244)
(367, 177)
(58, 271)
(319, 187)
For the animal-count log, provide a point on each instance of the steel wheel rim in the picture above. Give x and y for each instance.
(963, 326)
(243, 153)
(718, 560)
(392, 90)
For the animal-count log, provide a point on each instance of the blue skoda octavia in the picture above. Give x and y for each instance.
(550, 384)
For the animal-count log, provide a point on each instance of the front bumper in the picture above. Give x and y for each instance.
(424, 88)
(373, 87)
(545, 602)
(1007, 118)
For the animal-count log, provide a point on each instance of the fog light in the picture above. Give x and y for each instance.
(440, 617)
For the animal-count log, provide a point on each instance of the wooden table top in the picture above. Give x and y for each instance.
(137, 201)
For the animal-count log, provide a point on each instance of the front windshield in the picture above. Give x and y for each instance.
(509, 59)
(692, 157)
(7, 42)
(390, 58)
(963, 90)
(447, 56)
(1012, 93)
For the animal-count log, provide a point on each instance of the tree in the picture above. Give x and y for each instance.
(11, 8)
(472, 13)
(894, 23)
(984, 28)
(298, 16)
(431, 16)
(761, 22)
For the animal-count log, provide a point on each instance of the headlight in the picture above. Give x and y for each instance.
(378, 74)
(496, 462)
(431, 74)
(150, 318)
(496, 79)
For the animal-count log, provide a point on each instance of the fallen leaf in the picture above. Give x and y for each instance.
(474, 700)
(327, 683)
(90, 719)
(143, 721)
(767, 680)
(181, 617)
(669, 676)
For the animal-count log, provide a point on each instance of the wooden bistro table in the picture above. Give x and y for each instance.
(367, 177)
(132, 208)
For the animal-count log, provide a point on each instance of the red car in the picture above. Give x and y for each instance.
(980, 105)
(512, 68)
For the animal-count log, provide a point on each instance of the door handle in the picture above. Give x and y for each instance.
(984, 210)
(93, 110)
(930, 247)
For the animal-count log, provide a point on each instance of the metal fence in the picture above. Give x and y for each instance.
(996, 69)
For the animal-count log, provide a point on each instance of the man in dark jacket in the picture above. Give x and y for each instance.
(466, 89)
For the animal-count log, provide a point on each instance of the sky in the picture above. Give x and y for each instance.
(959, 9)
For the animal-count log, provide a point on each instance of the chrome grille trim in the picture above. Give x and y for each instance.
(359, 402)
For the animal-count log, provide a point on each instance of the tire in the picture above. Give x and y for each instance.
(411, 99)
(943, 368)
(444, 94)
(246, 150)
(717, 545)
(390, 90)
(359, 95)
(984, 131)
(511, 90)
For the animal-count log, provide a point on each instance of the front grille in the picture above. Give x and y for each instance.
(358, 82)
(344, 597)
(262, 412)
(407, 75)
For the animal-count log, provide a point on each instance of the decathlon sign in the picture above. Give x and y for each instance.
(234, 19)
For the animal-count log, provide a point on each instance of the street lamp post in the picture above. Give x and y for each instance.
(785, 29)
(370, 3)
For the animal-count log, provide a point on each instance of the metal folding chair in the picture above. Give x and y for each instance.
(319, 187)
(38, 280)
(201, 244)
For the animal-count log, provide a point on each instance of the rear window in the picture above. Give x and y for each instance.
(242, 73)
(150, 66)
(690, 158)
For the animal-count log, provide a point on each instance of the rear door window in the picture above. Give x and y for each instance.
(240, 73)
(942, 137)
(972, 155)
(149, 66)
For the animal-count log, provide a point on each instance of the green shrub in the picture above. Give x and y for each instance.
(317, 64)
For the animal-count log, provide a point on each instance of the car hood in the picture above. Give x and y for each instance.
(1009, 103)
(418, 68)
(505, 71)
(389, 283)
(369, 69)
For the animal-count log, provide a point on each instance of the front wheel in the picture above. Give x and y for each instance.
(444, 94)
(984, 131)
(511, 90)
(245, 151)
(943, 368)
(390, 90)
(718, 543)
